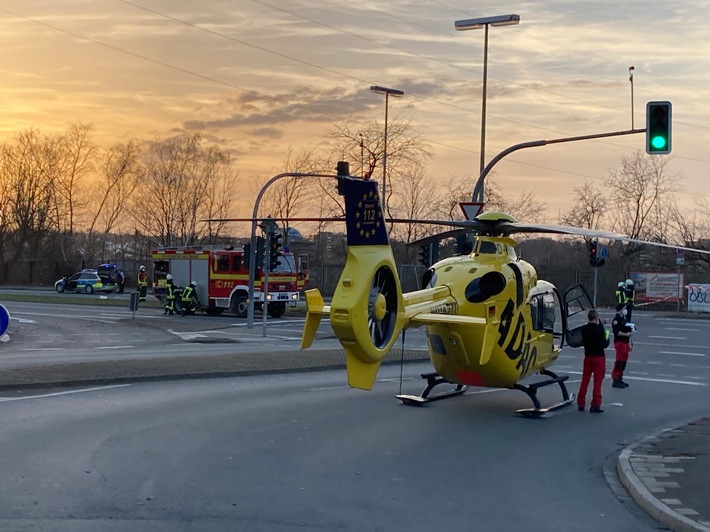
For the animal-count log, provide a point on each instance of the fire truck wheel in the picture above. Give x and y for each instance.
(240, 306)
(277, 309)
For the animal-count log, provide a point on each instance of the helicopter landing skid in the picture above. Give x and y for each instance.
(531, 390)
(433, 379)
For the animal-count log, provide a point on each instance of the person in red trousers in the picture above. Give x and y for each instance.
(595, 339)
(622, 345)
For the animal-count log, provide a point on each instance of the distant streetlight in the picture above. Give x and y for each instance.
(475, 24)
(631, 80)
(397, 94)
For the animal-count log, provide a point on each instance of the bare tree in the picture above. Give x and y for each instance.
(30, 193)
(405, 147)
(70, 160)
(589, 207)
(640, 191)
(120, 169)
(414, 199)
(291, 196)
(525, 206)
(184, 182)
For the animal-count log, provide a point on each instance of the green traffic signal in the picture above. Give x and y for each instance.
(658, 142)
(658, 128)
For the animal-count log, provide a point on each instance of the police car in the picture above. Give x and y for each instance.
(87, 281)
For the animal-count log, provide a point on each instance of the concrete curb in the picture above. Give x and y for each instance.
(642, 495)
(184, 367)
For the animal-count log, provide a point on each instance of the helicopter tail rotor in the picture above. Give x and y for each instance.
(367, 310)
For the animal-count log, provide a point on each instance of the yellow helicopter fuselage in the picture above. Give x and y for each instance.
(510, 339)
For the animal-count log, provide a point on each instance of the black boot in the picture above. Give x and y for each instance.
(618, 384)
(596, 410)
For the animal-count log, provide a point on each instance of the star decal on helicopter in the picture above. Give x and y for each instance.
(365, 216)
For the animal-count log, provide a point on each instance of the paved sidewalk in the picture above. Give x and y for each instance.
(667, 474)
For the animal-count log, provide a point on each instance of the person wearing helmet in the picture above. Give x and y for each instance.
(170, 289)
(189, 299)
(622, 345)
(142, 283)
(630, 293)
(620, 292)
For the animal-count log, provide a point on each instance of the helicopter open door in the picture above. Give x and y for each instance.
(577, 305)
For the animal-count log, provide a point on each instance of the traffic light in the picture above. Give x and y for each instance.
(424, 256)
(593, 253)
(658, 128)
(274, 250)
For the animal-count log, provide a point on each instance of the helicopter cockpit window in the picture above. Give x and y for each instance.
(487, 247)
(544, 312)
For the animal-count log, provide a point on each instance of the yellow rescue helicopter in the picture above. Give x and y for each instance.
(490, 321)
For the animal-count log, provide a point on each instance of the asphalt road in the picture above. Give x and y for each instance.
(302, 451)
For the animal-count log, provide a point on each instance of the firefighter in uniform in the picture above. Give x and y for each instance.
(189, 299)
(622, 345)
(142, 284)
(170, 289)
(621, 292)
(630, 292)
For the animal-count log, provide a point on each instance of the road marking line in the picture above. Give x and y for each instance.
(671, 380)
(115, 346)
(43, 349)
(681, 353)
(69, 392)
(23, 320)
(669, 337)
(679, 329)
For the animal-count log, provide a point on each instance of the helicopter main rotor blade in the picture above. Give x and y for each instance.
(508, 228)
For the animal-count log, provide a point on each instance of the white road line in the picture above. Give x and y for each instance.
(115, 347)
(671, 380)
(669, 337)
(681, 353)
(679, 329)
(69, 392)
(22, 320)
(43, 349)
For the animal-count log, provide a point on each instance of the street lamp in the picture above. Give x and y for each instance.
(475, 24)
(397, 94)
(631, 80)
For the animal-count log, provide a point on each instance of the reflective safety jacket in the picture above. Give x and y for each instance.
(189, 293)
(629, 294)
(170, 290)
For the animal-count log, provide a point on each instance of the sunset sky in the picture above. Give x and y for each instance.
(264, 76)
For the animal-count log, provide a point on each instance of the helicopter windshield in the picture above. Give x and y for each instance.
(486, 246)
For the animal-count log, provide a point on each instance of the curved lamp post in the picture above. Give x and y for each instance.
(474, 24)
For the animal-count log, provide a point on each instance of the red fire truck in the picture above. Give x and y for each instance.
(222, 277)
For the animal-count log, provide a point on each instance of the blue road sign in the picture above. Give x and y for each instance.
(602, 253)
(4, 320)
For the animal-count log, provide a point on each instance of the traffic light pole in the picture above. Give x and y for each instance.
(254, 220)
(265, 289)
(478, 188)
